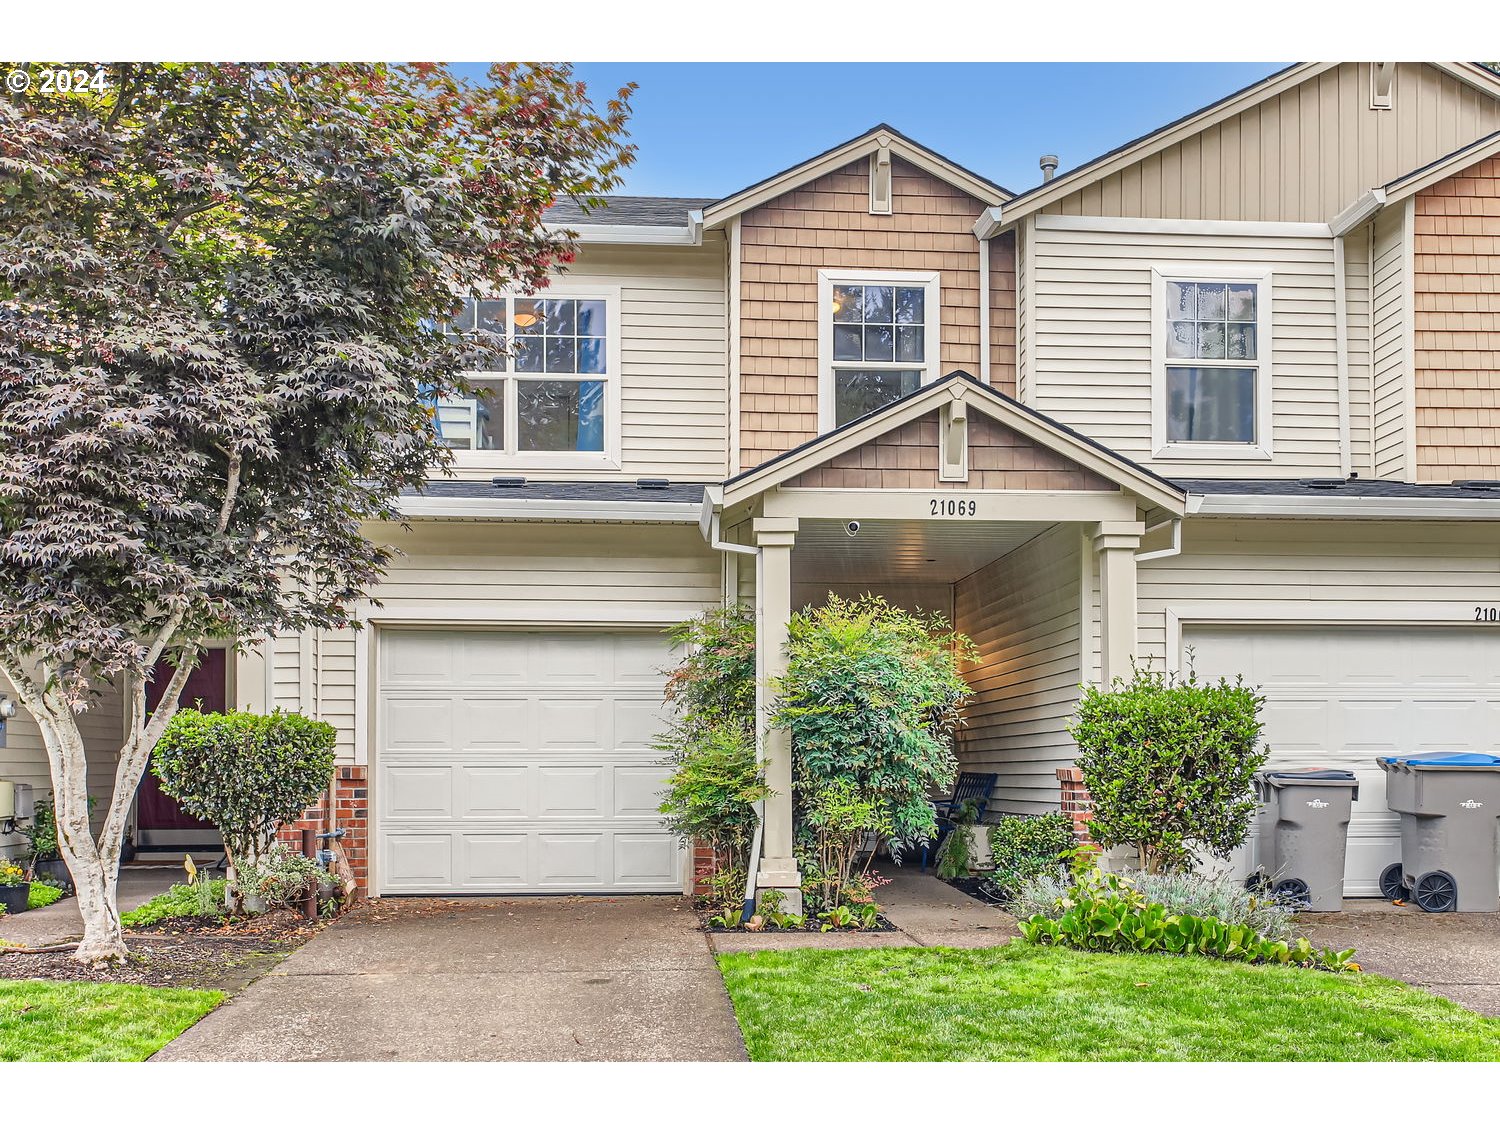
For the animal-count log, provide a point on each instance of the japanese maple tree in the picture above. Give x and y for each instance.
(221, 292)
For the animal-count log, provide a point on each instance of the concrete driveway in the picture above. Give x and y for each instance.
(486, 979)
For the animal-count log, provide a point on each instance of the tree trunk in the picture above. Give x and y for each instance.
(94, 861)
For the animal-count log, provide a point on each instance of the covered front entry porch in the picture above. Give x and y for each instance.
(959, 500)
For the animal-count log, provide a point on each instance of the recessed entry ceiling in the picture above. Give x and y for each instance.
(891, 550)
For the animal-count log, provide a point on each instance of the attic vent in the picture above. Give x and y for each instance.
(880, 180)
(1324, 482)
(1479, 485)
(657, 483)
(1382, 78)
(508, 482)
(1048, 165)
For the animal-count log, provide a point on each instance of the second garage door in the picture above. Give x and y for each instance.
(1344, 695)
(521, 762)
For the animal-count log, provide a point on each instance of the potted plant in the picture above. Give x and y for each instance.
(46, 860)
(15, 889)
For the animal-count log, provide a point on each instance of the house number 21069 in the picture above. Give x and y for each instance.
(954, 507)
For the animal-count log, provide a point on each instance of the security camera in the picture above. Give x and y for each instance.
(851, 528)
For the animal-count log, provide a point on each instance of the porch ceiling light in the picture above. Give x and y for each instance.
(525, 319)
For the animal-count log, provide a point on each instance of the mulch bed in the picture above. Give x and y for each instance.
(182, 953)
(974, 888)
(814, 926)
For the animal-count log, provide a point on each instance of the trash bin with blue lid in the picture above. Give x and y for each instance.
(1304, 827)
(1448, 804)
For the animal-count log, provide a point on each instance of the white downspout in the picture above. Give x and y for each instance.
(984, 310)
(761, 727)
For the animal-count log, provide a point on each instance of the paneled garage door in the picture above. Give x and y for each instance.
(1343, 695)
(520, 762)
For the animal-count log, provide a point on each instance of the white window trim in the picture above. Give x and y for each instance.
(1261, 449)
(932, 340)
(610, 457)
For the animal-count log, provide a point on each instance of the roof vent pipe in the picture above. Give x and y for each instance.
(1049, 166)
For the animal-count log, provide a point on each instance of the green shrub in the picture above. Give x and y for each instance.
(244, 773)
(1168, 762)
(1105, 913)
(956, 856)
(43, 830)
(40, 895)
(283, 877)
(1216, 896)
(202, 898)
(835, 817)
(1024, 847)
(872, 695)
(716, 781)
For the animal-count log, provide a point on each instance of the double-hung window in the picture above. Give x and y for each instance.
(1211, 358)
(552, 399)
(878, 339)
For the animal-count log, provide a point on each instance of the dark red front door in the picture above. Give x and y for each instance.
(206, 690)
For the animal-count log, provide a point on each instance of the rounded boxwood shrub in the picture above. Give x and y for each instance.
(244, 773)
(1168, 761)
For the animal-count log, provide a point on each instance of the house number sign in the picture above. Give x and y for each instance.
(952, 507)
(1489, 613)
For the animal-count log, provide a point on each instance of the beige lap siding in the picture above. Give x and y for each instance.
(827, 225)
(1092, 325)
(1023, 613)
(908, 458)
(23, 759)
(1314, 566)
(1389, 327)
(1456, 276)
(536, 575)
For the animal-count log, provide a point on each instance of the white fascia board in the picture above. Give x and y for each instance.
(691, 235)
(506, 508)
(1358, 212)
(989, 223)
(1343, 507)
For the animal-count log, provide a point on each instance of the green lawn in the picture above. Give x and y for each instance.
(1021, 1002)
(75, 1021)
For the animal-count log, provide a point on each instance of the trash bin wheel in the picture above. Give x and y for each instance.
(1258, 884)
(1293, 892)
(1435, 892)
(1392, 882)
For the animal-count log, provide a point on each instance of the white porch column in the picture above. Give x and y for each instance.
(1116, 545)
(775, 537)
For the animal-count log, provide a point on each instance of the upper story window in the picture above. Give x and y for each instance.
(878, 339)
(1211, 392)
(554, 401)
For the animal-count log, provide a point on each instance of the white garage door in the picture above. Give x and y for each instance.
(1342, 695)
(520, 762)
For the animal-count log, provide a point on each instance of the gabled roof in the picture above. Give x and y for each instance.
(839, 156)
(1131, 152)
(959, 385)
(1403, 187)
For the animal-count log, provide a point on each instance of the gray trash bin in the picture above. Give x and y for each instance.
(1448, 804)
(1304, 825)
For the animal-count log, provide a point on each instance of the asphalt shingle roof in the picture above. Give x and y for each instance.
(588, 490)
(1375, 489)
(628, 211)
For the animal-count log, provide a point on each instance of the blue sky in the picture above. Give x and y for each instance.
(708, 129)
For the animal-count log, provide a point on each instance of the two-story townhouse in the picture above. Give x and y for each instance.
(1207, 394)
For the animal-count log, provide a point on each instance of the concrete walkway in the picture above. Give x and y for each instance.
(1453, 955)
(60, 922)
(924, 909)
(539, 979)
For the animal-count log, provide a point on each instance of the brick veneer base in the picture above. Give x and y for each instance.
(352, 814)
(1077, 804)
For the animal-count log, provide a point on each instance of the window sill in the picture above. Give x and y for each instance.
(1200, 451)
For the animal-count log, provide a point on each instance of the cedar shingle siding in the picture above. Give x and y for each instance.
(1456, 259)
(908, 458)
(827, 225)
